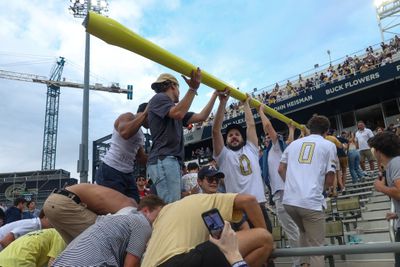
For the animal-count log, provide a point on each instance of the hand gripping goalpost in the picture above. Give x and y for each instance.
(116, 34)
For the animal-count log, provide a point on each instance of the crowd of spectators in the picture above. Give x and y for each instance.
(349, 67)
(352, 65)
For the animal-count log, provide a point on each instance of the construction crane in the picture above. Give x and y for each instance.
(52, 104)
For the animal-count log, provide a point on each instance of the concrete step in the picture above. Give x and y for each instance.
(361, 225)
(372, 206)
(350, 190)
(379, 198)
(374, 215)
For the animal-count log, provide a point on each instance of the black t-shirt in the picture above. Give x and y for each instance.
(166, 133)
(340, 151)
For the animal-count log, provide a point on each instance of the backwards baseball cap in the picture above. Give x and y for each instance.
(161, 79)
(237, 127)
(209, 171)
(141, 107)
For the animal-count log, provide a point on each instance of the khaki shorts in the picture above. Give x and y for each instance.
(344, 163)
(366, 154)
(67, 217)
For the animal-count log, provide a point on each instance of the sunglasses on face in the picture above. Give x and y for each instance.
(212, 179)
(141, 180)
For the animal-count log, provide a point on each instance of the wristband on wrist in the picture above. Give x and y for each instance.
(240, 263)
(193, 90)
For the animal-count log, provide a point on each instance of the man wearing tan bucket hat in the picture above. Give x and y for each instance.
(166, 116)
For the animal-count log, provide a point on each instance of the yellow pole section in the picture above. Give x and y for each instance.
(116, 34)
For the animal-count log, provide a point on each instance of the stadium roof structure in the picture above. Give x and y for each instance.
(49, 174)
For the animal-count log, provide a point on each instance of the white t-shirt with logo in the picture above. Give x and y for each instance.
(242, 171)
(362, 138)
(308, 160)
(274, 158)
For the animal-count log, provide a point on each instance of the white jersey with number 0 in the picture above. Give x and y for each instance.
(242, 171)
(308, 160)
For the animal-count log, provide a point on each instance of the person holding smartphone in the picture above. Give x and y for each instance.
(180, 237)
(228, 245)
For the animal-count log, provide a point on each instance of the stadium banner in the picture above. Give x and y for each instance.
(194, 136)
(347, 86)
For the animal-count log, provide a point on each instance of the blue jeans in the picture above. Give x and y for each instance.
(166, 175)
(354, 165)
(122, 182)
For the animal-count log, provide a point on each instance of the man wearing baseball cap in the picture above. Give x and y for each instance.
(126, 150)
(208, 178)
(167, 115)
(238, 160)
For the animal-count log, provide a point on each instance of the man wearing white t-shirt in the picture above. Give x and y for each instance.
(14, 230)
(307, 165)
(363, 135)
(238, 160)
(270, 163)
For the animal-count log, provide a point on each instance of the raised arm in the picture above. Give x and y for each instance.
(128, 124)
(203, 115)
(217, 138)
(267, 125)
(179, 111)
(250, 124)
(291, 133)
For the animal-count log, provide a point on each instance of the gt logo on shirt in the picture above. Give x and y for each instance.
(306, 152)
(245, 167)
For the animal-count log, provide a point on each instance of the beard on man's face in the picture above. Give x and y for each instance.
(235, 147)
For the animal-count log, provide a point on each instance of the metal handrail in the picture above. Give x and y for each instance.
(337, 250)
(391, 223)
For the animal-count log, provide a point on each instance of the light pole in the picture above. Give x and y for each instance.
(79, 9)
(329, 54)
(387, 14)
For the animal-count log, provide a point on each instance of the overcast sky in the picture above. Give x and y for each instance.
(249, 44)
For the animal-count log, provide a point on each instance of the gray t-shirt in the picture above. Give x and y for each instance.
(166, 133)
(392, 174)
(106, 242)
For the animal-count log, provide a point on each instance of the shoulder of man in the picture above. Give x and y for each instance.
(158, 97)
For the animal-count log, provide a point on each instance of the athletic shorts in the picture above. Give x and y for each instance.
(203, 255)
(366, 154)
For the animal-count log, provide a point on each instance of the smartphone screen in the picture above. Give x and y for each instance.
(214, 222)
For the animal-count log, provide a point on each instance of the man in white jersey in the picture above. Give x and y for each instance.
(14, 230)
(307, 165)
(362, 136)
(271, 159)
(127, 140)
(238, 160)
